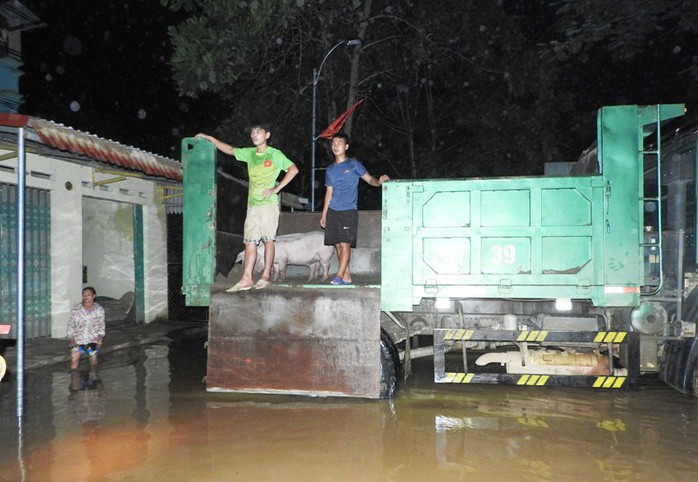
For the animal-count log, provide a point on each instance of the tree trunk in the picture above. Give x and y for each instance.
(354, 73)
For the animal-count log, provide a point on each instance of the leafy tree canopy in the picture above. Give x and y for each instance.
(452, 88)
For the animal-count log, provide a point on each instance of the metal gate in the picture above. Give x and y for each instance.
(37, 262)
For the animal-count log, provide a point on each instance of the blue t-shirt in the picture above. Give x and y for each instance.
(343, 178)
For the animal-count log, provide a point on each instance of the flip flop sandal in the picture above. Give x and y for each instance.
(262, 283)
(238, 287)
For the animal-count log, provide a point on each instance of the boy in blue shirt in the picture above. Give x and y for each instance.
(340, 216)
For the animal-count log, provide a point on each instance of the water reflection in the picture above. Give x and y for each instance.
(146, 416)
(86, 397)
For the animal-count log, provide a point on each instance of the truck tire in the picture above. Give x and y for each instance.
(694, 380)
(390, 367)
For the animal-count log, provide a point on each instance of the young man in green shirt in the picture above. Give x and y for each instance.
(264, 163)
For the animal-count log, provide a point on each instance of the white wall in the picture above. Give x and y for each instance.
(107, 249)
(67, 231)
(155, 260)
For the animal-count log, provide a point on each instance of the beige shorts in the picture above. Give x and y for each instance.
(261, 223)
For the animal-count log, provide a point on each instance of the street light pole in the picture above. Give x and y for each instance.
(316, 78)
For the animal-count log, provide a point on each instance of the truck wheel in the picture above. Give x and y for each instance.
(694, 380)
(390, 363)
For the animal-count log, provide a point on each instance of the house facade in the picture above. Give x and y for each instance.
(95, 215)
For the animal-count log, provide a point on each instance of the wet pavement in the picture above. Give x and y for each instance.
(145, 415)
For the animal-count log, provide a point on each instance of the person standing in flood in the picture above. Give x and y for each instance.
(86, 328)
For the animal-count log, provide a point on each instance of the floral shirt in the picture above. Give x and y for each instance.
(86, 326)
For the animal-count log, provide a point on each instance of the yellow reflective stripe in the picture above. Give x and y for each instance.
(609, 382)
(533, 380)
(459, 334)
(610, 337)
(458, 377)
(532, 335)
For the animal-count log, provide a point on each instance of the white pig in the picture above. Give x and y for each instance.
(297, 249)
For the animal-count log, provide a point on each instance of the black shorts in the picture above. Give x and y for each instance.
(341, 227)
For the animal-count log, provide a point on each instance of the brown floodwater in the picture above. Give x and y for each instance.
(145, 415)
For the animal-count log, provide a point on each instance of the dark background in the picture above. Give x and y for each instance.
(513, 84)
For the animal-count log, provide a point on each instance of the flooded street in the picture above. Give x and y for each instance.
(145, 415)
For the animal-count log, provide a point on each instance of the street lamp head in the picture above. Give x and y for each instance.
(353, 42)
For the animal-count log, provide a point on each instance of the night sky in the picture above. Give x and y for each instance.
(101, 67)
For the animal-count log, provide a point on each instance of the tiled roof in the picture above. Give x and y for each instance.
(97, 148)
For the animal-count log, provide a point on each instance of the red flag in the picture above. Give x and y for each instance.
(336, 126)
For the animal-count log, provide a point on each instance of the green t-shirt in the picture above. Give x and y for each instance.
(262, 169)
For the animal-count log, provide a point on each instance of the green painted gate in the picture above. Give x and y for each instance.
(37, 263)
(199, 237)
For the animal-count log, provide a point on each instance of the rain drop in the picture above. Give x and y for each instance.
(75, 106)
(72, 46)
(141, 113)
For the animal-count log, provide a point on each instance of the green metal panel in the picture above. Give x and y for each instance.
(517, 201)
(199, 238)
(138, 263)
(37, 262)
(620, 145)
(518, 241)
(506, 255)
(546, 237)
(621, 130)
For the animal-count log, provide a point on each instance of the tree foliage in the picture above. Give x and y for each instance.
(651, 43)
(453, 88)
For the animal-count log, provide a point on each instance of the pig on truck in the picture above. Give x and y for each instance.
(297, 249)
